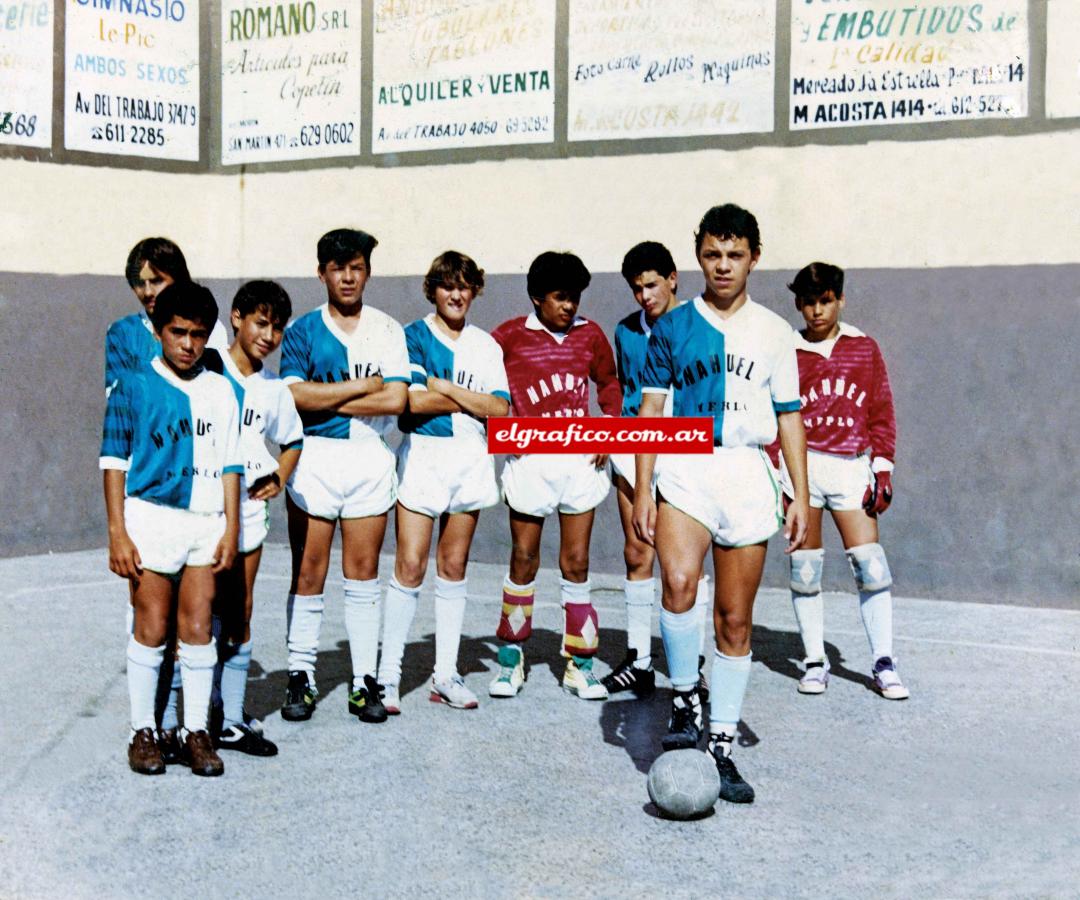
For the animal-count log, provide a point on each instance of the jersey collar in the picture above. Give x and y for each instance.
(533, 323)
(161, 367)
(825, 348)
(705, 311)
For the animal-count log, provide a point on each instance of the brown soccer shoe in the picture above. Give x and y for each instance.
(168, 742)
(198, 753)
(144, 756)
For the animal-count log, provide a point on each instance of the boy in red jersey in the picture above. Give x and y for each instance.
(847, 409)
(550, 357)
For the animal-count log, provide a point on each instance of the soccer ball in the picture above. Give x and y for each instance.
(684, 783)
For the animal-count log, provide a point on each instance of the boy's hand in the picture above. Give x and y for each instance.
(599, 460)
(265, 488)
(225, 553)
(878, 495)
(796, 522)
(124, 557)
(645, 518)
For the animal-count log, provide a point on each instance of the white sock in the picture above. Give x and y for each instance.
(399, 609)
(197, 663)
(450, 599)
(362, 626)
(305, 619)
(640, 596)
(875, 607)
(143, 664)
(703, 604)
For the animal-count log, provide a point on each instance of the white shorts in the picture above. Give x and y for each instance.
(733, 493)
(168, 539)
(343, 479)
(836, 482)
(445, 474)
(625, 464)
(538, 484)
(254, 523)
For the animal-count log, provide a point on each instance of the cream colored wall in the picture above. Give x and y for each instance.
(961, 202)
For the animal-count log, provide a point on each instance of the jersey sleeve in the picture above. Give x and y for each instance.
(500, 385)
(233, 457)
(784, 378)
(295, 354)
(881, 422)
(414, 345)
(657, 374)
(395, 363)
(285, 427)
(118, 429)
(602, 372)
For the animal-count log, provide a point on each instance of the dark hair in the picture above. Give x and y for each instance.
(453, 268)
(817, 279)
(266, 295)
(343, 245)
(553, 271)
(648, 256)
(162, 254)
(188, 300)
(728, 223)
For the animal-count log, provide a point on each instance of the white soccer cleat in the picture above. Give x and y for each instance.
(511, 677)
(580, 680)
(888, 682)
(392, 699)
(816, 678)
(453, 693)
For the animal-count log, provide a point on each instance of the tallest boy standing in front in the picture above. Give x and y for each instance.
(724, 356)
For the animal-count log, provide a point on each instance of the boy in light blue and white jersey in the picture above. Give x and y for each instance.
(651, 275)
(170, 451)
(444, 471)
(260, 311)
(348, 369)
(152, 265)
(724, 356)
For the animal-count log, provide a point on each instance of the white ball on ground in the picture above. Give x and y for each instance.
(684, 784)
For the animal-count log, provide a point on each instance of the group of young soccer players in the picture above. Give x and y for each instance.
(188, 477)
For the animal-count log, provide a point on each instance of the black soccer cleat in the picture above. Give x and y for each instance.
(626, 677)
(684, 731)
(733, 788)
(244, 740)
(366, 703)
(300, 698)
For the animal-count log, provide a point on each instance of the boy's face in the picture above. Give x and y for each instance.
(257, 333)
(655, 293)
(452, 302)
(726, 264)
(822, 315)
(182, 344)
(151, 283)
(345, 281)
(557, 309)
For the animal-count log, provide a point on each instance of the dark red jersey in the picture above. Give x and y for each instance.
(847, 405)
(549, 374)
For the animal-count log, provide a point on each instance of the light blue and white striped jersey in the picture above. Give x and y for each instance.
(474, 362)
(130, 342)
(631, 341)
(267, 413)
(316, 349)
(742, 371)
(174, 438)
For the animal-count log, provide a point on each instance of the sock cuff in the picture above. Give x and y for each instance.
(676, 622)
(451, 590)
(640, 593)
(733, 662)
(142, 655)
(571, 592)
(395, 585)
(308, 602)
(819, 553)
(198, 656)
(363, 592)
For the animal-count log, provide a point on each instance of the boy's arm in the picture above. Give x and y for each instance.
(389, 400)
(426, 401)
(483, 406)
(314, 396)
(881, 426)
(124, 557)
(602, 372)
(652, 405)
(793, 446)
(225, 554)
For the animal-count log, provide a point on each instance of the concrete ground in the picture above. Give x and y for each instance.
(969, 789)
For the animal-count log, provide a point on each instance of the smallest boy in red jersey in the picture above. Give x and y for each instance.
(550, 357)
(847, 409)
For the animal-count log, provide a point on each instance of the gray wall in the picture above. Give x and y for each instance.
(983, 364)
